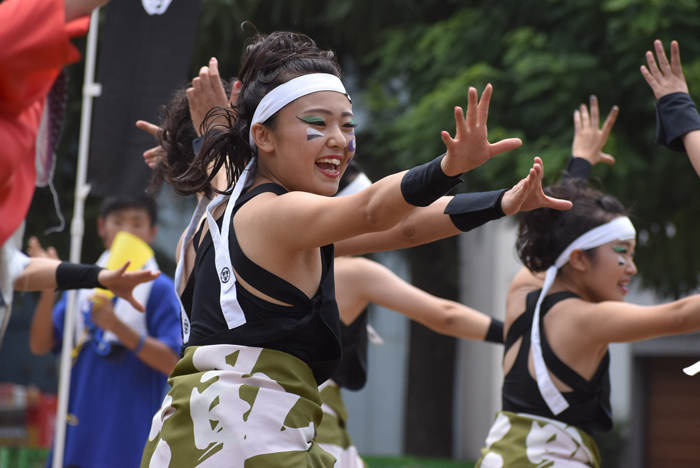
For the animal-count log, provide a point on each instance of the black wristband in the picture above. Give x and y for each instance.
(495, 333)
(578, 168)
(424, 184)
(470, 210)
(77, 276)
(676, 115)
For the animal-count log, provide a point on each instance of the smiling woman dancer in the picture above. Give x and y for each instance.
(261, 322)
(556, 390)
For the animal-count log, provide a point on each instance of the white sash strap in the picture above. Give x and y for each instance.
(229, 301)
(617, 229)
(189, 234)
(552, 396)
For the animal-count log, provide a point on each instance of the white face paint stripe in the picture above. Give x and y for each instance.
(312, 133)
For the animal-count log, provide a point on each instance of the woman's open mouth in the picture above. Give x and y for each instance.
(330, 166)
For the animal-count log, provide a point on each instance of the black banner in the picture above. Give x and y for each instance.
(145, 53)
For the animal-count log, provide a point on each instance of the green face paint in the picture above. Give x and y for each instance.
(620, 250)
(312, 119)
(312, 133)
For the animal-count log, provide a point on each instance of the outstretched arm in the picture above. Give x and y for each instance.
(360, 281)
(326, 220)
(46, 273)
(449, 216)
(678, 122)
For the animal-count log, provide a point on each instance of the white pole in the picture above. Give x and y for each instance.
(77, 229)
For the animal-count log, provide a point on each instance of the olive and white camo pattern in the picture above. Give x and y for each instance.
(525, 441)
(332, 434)
(239, 407)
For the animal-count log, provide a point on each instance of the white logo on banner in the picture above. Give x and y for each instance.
(155, 7)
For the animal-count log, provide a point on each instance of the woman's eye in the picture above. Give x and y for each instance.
(312, 120)
(350, 124)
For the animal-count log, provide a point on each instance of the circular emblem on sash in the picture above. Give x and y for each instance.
(225, 275)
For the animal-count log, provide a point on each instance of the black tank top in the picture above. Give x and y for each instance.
(589, 402)
(307, 329)
(352, 373)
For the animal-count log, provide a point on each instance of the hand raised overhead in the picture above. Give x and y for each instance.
(206, 93)
(528, 195)
(470, 147)
(665, 78)
(589, 139)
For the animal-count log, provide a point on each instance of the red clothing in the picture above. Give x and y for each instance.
(34, 47)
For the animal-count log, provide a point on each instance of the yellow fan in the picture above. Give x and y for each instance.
(125, 247)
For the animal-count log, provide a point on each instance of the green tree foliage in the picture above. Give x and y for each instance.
(415, 60)
(544, 58)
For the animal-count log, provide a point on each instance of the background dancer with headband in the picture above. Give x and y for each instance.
(360, 281)
(246, 388)
(556, 390)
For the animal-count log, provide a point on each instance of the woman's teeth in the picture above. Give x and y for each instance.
(328, 164)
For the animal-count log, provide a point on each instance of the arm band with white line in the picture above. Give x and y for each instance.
(676, 115)
(495, 333)
(77, 276)
(424, 184)
(470, 210)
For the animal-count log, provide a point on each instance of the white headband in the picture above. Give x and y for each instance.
(617, 229)
(358, 184)
(291, 91)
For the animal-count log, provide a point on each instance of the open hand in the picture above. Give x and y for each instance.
(156, 154)
(122, 282)
(35, 250)
(589, 140)
(206, 93)
(665, 78)
(470, 148)
(528, 195)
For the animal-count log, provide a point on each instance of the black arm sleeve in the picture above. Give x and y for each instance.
(470, 210)
(495, 333)
(424, 184)
(77, 276)
(676, 115)
(578, 168)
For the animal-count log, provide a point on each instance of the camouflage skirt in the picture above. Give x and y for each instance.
(332, 434)
(238, 407)
(523, 441)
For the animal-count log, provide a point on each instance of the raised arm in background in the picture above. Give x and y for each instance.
(677, 119)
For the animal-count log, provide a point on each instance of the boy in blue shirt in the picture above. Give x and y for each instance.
(123, 356)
